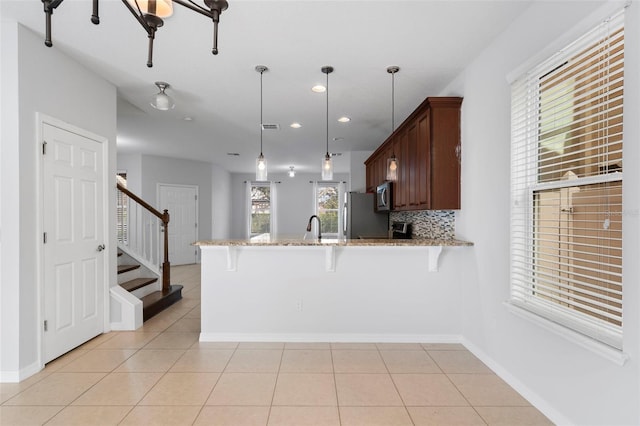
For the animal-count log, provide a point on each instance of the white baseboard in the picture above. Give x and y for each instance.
(534, 398)
(18, 376)
(330, 337)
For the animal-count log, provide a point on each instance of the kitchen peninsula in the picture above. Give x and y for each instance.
(330, 290)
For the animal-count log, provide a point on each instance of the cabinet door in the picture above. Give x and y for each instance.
(370, 185)
(412, 167)
(401, 144)
(423, 163)
(445, 165)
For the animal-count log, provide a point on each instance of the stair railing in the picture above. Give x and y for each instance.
(137, 229)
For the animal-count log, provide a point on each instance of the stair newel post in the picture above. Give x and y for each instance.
(166, 267)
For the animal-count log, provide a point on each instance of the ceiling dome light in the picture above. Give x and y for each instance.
(295, 125)
(161, 100)
(344, 119)
(319, 88)
(292, 172)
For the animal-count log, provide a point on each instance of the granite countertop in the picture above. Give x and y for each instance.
(266, 241)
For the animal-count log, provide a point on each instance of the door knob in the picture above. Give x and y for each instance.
(101, 247)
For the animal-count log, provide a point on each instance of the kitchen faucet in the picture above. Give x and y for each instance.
(319, 226)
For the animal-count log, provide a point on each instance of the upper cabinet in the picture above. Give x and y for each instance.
(427, 145)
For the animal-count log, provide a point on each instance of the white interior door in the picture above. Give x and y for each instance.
(182, 203)
(73, 256)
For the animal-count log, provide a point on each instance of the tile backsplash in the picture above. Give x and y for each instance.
(439, 224)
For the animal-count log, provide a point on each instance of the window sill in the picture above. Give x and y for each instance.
(605, 351)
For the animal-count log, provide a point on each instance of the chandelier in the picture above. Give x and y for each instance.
(150, 14)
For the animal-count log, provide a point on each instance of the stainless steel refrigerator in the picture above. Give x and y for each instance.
(360, 219)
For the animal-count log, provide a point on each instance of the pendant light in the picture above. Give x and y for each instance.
(261, 162)
(150, 14)
(327, 163)
(392, 162)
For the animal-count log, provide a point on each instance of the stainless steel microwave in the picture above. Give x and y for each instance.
(384, 199)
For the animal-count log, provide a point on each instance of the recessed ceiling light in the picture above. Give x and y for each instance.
(187, 118)
(344, 119)
(338, 138)
(295, 125)
(233, 154)
(319, 88)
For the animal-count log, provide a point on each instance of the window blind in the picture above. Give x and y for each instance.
(566, 185)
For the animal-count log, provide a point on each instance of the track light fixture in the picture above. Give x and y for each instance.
(150, 14)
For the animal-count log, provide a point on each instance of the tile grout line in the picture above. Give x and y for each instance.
(404, 405)
(275, 386)
(335, 384)
(216, 383)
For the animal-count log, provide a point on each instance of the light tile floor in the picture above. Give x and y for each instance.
(162, 375)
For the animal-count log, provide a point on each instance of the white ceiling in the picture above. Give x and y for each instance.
(431, 42)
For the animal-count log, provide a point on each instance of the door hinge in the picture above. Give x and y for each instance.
(44, 147)
(196, 224)
(46, 325)
(44, 238)
(196, 197)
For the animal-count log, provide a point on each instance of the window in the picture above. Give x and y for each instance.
(328, 206)
(122, 207)
(566, 183)
(261, 209)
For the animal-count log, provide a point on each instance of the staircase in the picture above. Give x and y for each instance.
(145, 285)
(142, 236)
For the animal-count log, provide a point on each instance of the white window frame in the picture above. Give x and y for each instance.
(272, 210)
(341, 191)
(524, 186)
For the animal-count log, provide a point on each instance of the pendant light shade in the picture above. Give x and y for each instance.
(327, 162)
(261, 168)
(392, 168)
(327, 167)
(392, 162)
(161, 100)
(261, 162)
(159, 8)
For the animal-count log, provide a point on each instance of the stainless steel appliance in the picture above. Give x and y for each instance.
(361, 220)
(384, 201)
(401, 230)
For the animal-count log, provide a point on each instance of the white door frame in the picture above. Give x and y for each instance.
(41, 120)
(196, 187)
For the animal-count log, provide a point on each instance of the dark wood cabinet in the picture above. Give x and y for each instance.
(427, 145)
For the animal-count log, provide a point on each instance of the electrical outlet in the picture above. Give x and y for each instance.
(299, 305)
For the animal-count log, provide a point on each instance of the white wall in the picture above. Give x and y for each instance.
(358, 170)
(38, 79)
(221, 203)
(132, 165)
(569, 383)
(294, 198)
(144, 172)
(286, 294)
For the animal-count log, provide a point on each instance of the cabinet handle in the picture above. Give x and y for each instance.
(459, 153)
